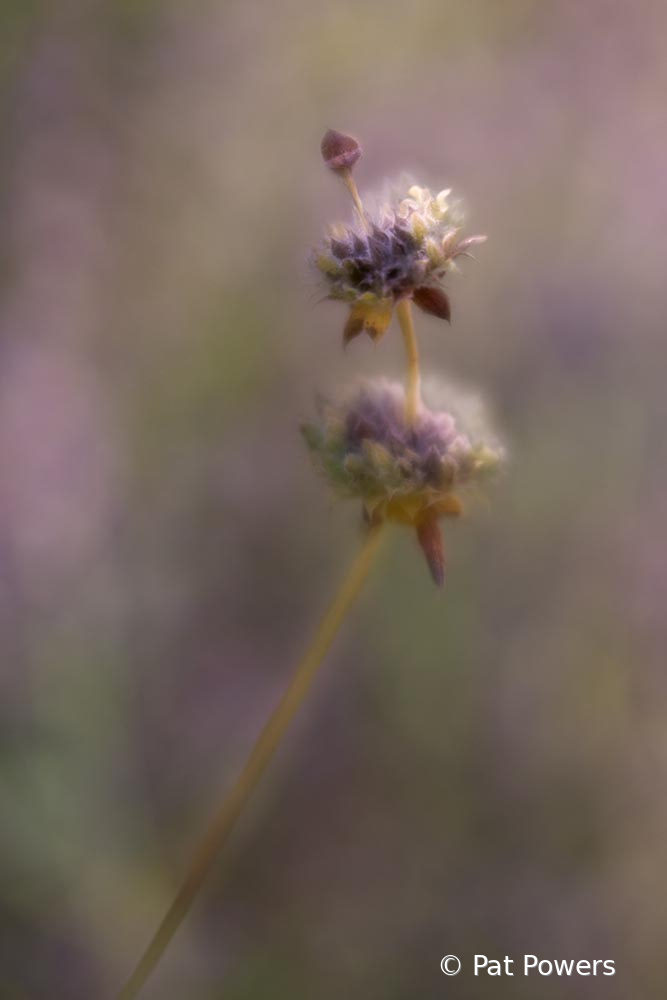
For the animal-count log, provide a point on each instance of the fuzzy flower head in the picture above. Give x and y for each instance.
(409, 474)
(402, 249)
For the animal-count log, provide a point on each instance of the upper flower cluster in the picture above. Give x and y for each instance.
(404, 249)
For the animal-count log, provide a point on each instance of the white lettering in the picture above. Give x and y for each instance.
(564, 968)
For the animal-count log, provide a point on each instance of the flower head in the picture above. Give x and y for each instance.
(402, 250)
(409, 474)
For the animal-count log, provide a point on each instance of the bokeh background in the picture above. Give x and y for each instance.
(477, 771)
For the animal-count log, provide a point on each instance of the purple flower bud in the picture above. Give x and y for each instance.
(340, 152)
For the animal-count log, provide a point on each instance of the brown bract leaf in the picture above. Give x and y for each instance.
(339, 151)
(433, 301)
(429, 536)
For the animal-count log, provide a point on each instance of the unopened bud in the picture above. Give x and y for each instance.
(340, 152)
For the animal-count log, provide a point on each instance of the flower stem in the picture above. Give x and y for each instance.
(412, 395)
(351, 185)
(260, 757)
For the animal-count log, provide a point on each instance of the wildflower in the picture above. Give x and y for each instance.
(402, 250)
(410, 474)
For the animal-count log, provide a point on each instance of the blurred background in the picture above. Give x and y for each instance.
(477, 771)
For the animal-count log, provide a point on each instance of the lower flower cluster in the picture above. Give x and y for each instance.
(412, 474)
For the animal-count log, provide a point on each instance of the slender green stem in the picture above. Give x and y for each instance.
(412, 394)
(261, 755)
(350, 184)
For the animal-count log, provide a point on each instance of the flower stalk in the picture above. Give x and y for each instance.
(351, 185)
(413, 390)
(262, 753)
